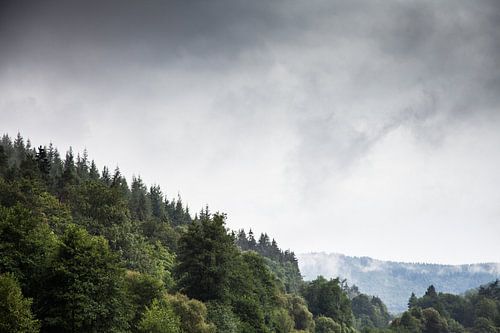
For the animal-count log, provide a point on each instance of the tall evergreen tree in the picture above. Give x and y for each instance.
(43, 162)
(241, 240)
(105, 177)
(85, 292)
(93, 171)
(205, 255)
(3, 161)
(252, 243)
(69, 176)
(19, 149)
(140, 203)
(157, 202)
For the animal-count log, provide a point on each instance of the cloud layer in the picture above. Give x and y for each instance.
(364, 127)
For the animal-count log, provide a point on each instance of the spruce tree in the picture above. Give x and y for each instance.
(252, 243)
(85, 290)
(19, 149)
(3, 161)
(157, 203)
(93, 171)
(43, 162)
(206, 256)
(139, 203)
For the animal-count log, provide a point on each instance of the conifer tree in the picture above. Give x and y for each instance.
(82, 166)
(69, 171)
(205, 255)
(93, 171)
(252, 243)
(241, 240)
(157, 203)
(412, 301)
(105, 177)
(140, 203)
(86, 289)
(19, 149)
(3, 161)
(43, 162)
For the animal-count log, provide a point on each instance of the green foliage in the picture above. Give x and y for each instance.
(26, 246)
(156, 230)
(283, 264)
(326, 298)
(327, 325)
(192, 314)
(140, 201)
(477, 311)
(160, 318)
(69, 232)
(303, 319)
(369, 312)
(3, 161)
(84, 291)
(102, 210)
(15, 310)
(205, 258)
(433, 322)
(222, 316)
(484, 325)
(255, 291)
(281, 321)
(142, 290)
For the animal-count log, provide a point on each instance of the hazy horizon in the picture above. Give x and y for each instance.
(367, 128)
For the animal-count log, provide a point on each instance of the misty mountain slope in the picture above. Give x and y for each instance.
(394, 282)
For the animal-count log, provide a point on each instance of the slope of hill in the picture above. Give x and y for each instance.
(393, 282)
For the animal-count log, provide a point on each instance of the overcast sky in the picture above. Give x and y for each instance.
(360, 127)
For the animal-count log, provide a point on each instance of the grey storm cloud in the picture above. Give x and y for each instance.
(283, 98)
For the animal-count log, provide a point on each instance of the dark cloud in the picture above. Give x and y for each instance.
(283, 98)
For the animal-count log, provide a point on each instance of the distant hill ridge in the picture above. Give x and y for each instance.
(394, 281)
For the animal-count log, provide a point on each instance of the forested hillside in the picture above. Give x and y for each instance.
(478, 312)
(393, 281)
(82, 251)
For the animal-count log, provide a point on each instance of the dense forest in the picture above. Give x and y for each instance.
(81, 250)
(393, 281)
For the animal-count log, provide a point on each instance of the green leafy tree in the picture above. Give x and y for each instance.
(302, 317)
(160, 318)
(484, 325)
(160, 231)
(223, 317)
(102, 210)
(408, 323)
(369, 312)
(433, 322)
(327, 325)
(15, 310)
(192, 314)
(255, 293)
(85, 291)
(281, 321)
(326, 298)
(142, 290)
(27, 246)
